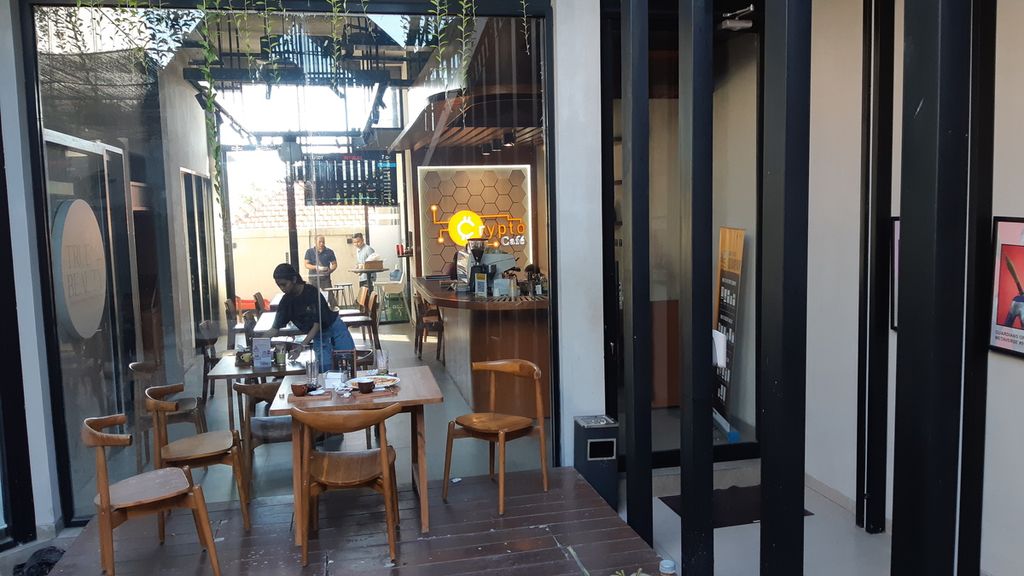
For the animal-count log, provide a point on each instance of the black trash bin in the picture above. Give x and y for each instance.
(595, 455)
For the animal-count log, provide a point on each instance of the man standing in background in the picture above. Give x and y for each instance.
(320, 262)
(363, 251)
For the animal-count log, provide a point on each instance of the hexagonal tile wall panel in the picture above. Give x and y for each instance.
(502, 192)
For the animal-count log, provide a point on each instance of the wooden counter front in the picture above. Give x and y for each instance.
(479, 329)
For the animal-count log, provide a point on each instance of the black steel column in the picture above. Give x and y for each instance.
(933, 273)
(696, 88)
(637, 317)
(876, 238)
(980, 263)
(783, 361)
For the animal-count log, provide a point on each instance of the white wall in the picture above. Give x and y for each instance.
(31, 331)
(577, 212)
(833, 253)
(183, 129)
(832, 269)
(1001, 551)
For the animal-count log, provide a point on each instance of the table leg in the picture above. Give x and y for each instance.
(231, 404)
(419, 465)
(297, 478)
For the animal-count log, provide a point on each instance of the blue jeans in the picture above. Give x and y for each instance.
(335, 337)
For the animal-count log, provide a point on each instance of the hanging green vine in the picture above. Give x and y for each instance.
(439, 14)
(467, 21)
(526, 27)
(210, 58)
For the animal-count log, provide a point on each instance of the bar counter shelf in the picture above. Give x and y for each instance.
(492, 328)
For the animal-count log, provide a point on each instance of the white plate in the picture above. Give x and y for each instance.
(353, 384)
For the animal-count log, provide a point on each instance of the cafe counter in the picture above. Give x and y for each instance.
(493, 328)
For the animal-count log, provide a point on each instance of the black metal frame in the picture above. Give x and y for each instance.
(696, 118)
(981, 262)
(15, 474)
(783, 363)
(637, 316)
(875, 242)
(492, 8)
(938, 141)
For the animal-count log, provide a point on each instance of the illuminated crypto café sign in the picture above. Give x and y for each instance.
(504, 230)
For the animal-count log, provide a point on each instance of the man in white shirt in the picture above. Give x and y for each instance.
(363, 251)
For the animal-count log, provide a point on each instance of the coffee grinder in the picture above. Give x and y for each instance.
(479, 273)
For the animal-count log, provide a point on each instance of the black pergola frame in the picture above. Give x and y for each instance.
(491, 8)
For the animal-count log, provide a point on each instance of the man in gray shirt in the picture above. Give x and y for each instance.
(363, 251)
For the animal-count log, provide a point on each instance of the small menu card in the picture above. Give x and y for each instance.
(262, 353)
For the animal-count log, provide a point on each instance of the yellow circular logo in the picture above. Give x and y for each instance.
(465, 224)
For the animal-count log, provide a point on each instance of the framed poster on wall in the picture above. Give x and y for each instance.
(894, 271)
(1008, 290)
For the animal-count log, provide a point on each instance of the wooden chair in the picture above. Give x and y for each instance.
(199, 451)
(362, 301)
(153, 492)
(369, 321)
(322, 471)
(351, 361)
(259, 430)
(206, 341)
(261, 303)
(249, 324)
(500, 428)
(235, 324)
(428, 319)
(190, 410)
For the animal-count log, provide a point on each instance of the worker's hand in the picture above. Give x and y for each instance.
(294, 352)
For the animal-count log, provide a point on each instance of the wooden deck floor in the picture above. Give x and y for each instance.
(568, 530)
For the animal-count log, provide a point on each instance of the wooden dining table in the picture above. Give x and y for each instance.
(416, 388)
(226, 370)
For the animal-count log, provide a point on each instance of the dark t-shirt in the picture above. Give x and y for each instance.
(304, 310)
(320, 258)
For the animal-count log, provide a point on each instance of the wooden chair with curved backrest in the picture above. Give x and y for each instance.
(428, 319)
(199, 451)
(234, 320)
(368, 322)
(259, 430)
(190, 410)
(362, 301)
(498, 428)
(322, 471)
(206, 340)
(153, 492)
(261, 303)
(348, 362)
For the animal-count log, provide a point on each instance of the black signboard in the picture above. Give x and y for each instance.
(364, 178)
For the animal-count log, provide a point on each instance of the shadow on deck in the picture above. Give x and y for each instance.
(568, 530)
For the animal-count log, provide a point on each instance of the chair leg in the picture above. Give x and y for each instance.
(394, 495)
(138, 454)
(490, 461)
(501, 473)
(160, 531)
(199, 528)
(437, 349)
(544, 460)
(106, 543)
(314, 516)
(303, 527)
(205, 532)
(241, 482)
(389, 513)
(369, 439)
(448, 461)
